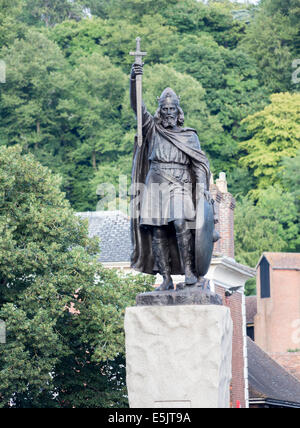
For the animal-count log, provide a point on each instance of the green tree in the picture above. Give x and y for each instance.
(215, 18)
(51, 12)
(254, 233)
(271, 224)
(91, 110)
(63, 311)
(240, 181)
(276, 204)
(274, 133)
(37, 80)
(96, 95)
(271, 39)
(290, 8)
(133, 10)
(10, 26)
(232, 89)
(78, 39)
(115, 38)
(290, 176)
(30, 95)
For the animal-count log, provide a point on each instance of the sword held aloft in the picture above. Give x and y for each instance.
(138, 54)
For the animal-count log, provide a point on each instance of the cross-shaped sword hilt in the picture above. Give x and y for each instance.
(138, 54)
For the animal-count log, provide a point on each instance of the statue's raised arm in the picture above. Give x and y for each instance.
(136, 70)
(136, 99)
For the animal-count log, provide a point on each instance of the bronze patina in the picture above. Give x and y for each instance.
(172, 215)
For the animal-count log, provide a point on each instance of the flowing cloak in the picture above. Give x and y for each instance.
(142, 258)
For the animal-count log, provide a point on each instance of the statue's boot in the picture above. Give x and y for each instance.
(162, 257)
(184, 241)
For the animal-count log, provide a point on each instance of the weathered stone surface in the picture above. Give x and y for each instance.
(187, 296)
(178, 356)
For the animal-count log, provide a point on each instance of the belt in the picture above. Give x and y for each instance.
(168, 165)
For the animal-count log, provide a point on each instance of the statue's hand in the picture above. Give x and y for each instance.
(207, 195)
(136, 69)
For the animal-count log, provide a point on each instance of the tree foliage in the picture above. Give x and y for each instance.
(272, 39)
(51, 12)
(30, 95)
(230, 79)
(91, 111)
(290, 177)
(10, 26)
(274, 134)
(193, 17)
(115, 38)
(270, 225)
(63, 311)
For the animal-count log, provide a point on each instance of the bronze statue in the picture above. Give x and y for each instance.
(172, 221)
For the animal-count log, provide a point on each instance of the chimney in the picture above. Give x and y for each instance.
(224, 207)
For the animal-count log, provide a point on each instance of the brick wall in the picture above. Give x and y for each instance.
(275, 324)
(237, 392)
(224, 207)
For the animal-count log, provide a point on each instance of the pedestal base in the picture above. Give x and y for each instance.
(178, 356)
(186, 296)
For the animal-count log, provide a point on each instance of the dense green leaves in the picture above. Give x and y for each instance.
(115, 38)
(51, 12)
(290, 176)
(30, 95)
(133, 10)
(270, 220)
(272, 40)
(274, 135)
(272, 224)
(63, 311)
(232, 89)
(193, 17)
(10, 26)
(90, 110)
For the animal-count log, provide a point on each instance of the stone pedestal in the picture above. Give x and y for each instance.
(178, 355)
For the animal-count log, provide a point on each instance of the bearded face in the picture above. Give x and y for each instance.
(169, 114)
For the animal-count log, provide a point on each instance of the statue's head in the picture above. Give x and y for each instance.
(169, 113)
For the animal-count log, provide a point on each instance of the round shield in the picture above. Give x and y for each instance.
(204, 236)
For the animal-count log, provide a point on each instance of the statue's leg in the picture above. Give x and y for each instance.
(162, 257)
(186, 250)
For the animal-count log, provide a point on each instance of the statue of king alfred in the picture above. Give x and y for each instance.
(172, 217)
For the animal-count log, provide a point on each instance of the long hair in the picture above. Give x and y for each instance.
(180, 117)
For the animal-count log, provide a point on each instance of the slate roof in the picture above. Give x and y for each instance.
(269, 380)
(113, 229)
(251, 309)
(282, 260)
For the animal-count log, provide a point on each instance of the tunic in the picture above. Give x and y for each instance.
(168, 193)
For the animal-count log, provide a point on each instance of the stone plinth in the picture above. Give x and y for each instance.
(178, 356)
(187, 296)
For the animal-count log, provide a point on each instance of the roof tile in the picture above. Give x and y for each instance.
(113, 230)
(268, 379)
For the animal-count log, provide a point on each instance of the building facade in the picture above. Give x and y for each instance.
(277, 322)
